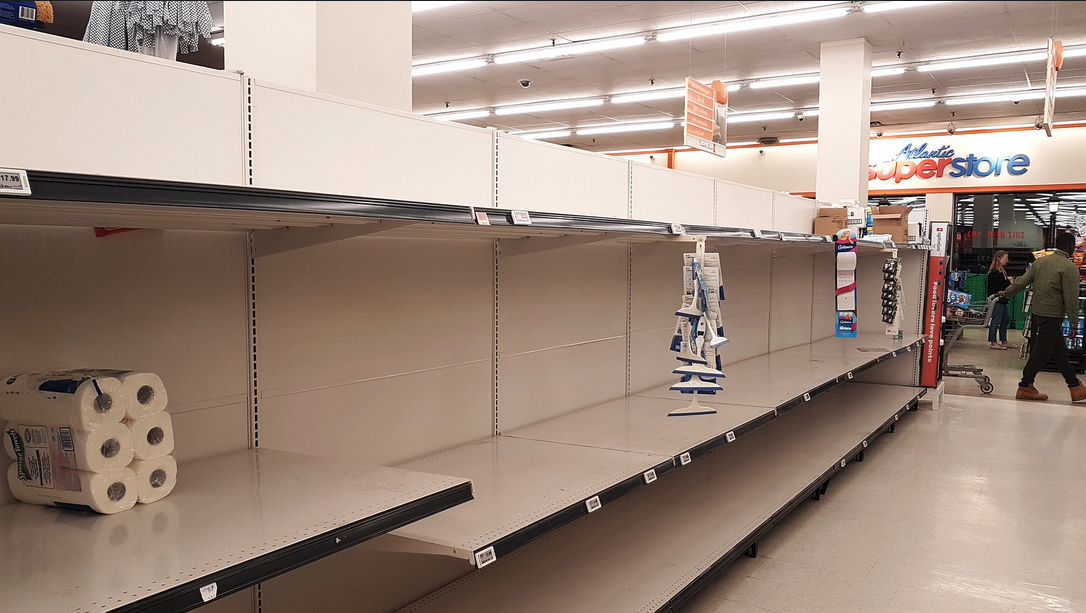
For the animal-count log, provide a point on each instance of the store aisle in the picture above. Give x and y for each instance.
(978, 507)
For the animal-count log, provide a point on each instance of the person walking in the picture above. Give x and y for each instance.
(1001, 310)
(1055, 282)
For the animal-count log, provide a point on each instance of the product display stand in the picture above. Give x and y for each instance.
(701, 364)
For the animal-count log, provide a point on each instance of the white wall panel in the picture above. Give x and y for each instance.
(657, 292)
(537, 176)
(822, 291)
(793, 214)
(743, 206)
(660, 194)
(82, 108)
(169, 302)
(386, 340)
(312, 142)
(790, 319)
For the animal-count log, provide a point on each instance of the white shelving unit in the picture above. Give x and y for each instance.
(232, 521)
(644, 552)
(366, 318)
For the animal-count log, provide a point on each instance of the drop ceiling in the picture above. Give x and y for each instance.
(908, 36)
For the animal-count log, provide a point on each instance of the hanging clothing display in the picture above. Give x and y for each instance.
(135, 26)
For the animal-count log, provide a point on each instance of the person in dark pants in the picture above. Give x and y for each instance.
(1001, 310)
(1055, 281)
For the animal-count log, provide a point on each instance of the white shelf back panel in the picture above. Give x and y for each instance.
(393, 337)
(790, 319)
(171, 302)
(823, 310)
(747, 271)
(562, 327)
(538, 176)
(661, 194)
(743, 206)
(82, 108)
(793, 213)
(310, 142)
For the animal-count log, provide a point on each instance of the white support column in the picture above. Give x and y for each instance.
(844, 121)
(940, 207)
(356, 50)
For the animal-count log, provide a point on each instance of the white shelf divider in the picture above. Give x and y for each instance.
(231, 522)
(650, 550)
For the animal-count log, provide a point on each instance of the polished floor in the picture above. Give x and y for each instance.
(977, 507)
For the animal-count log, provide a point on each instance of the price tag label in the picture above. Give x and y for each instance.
(684, 459)
(209, 592)
(843, 463)
(909, 349)
(756, 233)
(14, 182)
(522, 218)
(482, 218)
(485, 556)
(678, 229)
(806, 397)
(593, 504)
(849, 375)
(896, 417)
(730, 437)
(865, 444)
(650, 476)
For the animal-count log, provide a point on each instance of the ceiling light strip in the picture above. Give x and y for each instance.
(753, 23)
(883, 7)
(631, 127)
(547, 106)
(454, 66)
(554, 51)
(981, 62)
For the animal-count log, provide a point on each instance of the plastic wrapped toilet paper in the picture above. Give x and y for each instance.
(81, 399)
(80, 490)
(152, 437)
(154, 478)
(145, 392)
(97, 450)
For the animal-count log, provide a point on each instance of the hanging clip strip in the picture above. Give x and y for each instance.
(20, 454)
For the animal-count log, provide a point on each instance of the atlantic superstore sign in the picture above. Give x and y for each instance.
(919, 161)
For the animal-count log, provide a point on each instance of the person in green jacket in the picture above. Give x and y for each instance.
(1055, 281)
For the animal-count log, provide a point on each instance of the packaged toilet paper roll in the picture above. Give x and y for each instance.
(152, 437)
(80, 490)
(154, 478)
(77, 398)
(100, 449)
(145, 392)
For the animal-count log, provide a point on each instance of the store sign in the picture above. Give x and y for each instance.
(925, 161)
(706, 111)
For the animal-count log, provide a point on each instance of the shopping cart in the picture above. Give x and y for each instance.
(960, 316)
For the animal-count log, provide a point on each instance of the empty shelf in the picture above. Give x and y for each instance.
(524, 489)
(649, 551)
(780, 379)
(232, 521)
(642, 424)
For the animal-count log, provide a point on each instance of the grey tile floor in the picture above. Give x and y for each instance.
(978, 507)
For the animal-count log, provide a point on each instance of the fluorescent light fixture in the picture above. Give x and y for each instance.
(785, 82)
(753, 23)
(417, 7)
(810, 112)
(1078, 52)
(744, 143)
(747, 118)
(1026, 95)
(561, 105)
(646, 150)
(543, 135)
(454, 66)
(904, 104)
(461, 115)
(218, 42)
(1070, 93)
(626, 127)
(886, 72)
(985, 61)
(882, 7)
(662, 94)
(570, 49)
(733, 87)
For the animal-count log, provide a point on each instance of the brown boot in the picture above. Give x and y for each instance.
(1031, 393)
(1078, 392)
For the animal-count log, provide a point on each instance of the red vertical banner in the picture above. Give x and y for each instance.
(934, 297)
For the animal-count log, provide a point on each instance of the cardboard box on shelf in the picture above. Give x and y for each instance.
(830, 220)
(892, 220)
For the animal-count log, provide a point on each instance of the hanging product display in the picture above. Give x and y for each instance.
(89, 440)
(891, 296)
(153, 28)
(699, 332)
(845, 248)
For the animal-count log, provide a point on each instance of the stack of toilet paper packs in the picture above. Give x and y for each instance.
(92, 440)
